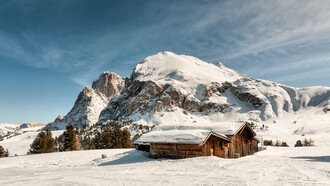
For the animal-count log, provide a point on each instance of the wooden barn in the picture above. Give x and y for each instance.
(226, 140)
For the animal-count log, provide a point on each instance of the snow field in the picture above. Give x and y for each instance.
(20, 144)
(273, 166)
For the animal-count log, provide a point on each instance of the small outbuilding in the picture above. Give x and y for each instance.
(225, 140)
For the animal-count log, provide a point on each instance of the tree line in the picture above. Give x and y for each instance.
(79, 139)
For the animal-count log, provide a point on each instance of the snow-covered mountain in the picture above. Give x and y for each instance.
(10, 130)
(6, 129)
(170, 91)
(167, 90)
(91, 101)
(167, 82)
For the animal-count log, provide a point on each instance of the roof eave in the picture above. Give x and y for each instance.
(245, 125)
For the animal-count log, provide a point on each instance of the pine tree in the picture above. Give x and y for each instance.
(93, 146)
(86, 143)
(43, 143)
(50, 141)
(97, 141)
(71, 141)
(306, 142)
(298, 144)
(126, 139)
(2, 152)
(117, 138)
(106, 138)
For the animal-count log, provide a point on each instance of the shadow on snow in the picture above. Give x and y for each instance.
(314, 158)
(131, 157)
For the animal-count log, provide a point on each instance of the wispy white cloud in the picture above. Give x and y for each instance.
(311, 74)
(246, 35)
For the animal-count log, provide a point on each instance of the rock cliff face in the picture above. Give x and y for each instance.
(91, 101)
(109, 84)
(190, 88)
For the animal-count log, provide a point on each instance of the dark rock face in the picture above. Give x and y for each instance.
(137, 96)
(247, 97)
(83, 96)
(214, 106)
(192, 105)
(237, 91)
(148, 97)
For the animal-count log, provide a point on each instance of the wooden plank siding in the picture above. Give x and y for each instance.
(242, 143)
(212, 147)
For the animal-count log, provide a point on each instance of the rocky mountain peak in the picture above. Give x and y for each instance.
(91, 101)
(172, 88)
(181, 87)
(109, 83)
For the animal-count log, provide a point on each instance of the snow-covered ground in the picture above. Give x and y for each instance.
(273, 166)
(20, 144)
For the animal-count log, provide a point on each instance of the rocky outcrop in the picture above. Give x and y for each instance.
(192, 104)
(216, 107)
(145, 97)
(159, 106)
(109, 84)
(91, 101)
(235, 90)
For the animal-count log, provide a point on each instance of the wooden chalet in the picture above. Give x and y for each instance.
(230, 140)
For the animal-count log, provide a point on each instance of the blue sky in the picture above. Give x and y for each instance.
(50, 50)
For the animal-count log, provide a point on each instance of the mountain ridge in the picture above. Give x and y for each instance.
(91, 101)
(192, 81)
(170, 88)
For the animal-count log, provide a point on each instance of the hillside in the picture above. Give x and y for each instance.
(90, 102)
(10, 130)
(7, 129)
(20, 143)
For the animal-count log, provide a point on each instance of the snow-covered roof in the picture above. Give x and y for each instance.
(178, 136)
(190, 134)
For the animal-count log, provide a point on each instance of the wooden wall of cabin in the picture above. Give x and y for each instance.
(254, 146)
(216, 147)
(170, 150)
(243, 144)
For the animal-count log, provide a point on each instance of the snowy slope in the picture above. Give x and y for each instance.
(20, 143)
(274, 166)
(91, 101)
(171, 89)
(6, 129)
(182, 70)
(10, 130)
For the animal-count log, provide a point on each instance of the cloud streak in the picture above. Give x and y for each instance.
(256, 37)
